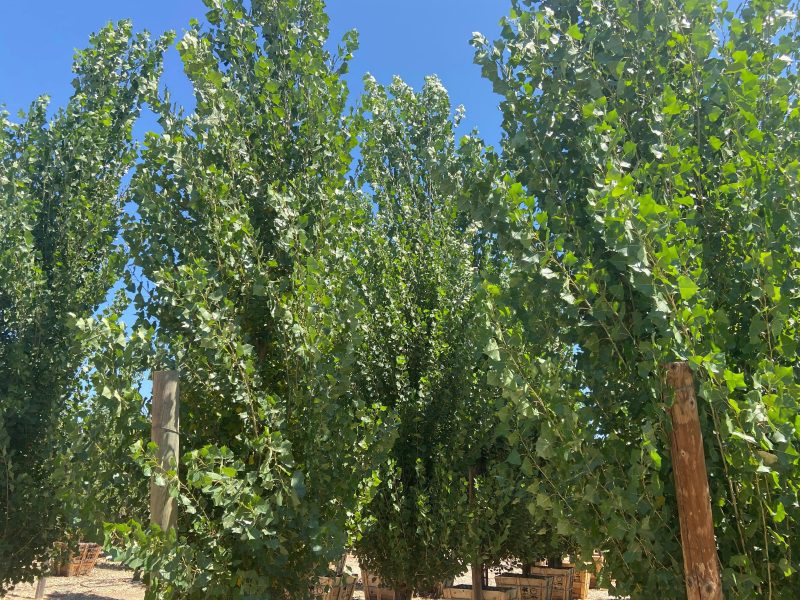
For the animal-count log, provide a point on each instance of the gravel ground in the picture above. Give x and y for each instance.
(110, 581)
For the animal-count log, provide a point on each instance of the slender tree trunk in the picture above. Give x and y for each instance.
(477, 564)
(342, 564)
(40, 585)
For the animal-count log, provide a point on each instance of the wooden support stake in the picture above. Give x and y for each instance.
(40, 588)
(477, 565)
(700, 559)
(165, 433)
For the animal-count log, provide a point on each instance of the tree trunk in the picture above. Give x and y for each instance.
(40, 585)
(403, 594)
(477, 564)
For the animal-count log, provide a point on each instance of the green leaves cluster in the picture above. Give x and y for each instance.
(419, 355)
(649, 161)
(60, 210)
(433, 282)
(245, 237)
(105, 416)
(354, 344)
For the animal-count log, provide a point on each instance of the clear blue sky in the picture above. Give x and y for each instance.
(410, 38)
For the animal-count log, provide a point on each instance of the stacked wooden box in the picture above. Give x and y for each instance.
(562, 580)
(580, 585)
(530, 587)
(340, 587)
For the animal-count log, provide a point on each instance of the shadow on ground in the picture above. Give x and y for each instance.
(78, 596)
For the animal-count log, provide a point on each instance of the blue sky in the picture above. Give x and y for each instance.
(410, 38)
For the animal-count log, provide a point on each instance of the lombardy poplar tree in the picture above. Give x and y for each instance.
(60, 211)
(424, 332)
(241, 249)
(648, 198)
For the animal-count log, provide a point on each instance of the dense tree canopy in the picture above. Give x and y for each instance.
(370, 316)
(421, 261)
(648, 186)
(241, 247)
(60, 211)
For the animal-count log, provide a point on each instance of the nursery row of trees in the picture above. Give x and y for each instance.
(370, 313)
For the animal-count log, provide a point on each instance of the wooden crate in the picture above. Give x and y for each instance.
(530, 587)
(374, 588)
(335, 588)
(464, 592)
(580, 585)
(599, 561)
(77, 564)
(562, 580)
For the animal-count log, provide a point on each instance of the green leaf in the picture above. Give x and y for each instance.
(687, 287)
(574, 32)
(734, 380)
(492, 350)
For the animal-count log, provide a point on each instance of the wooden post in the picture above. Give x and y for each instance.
(165, 433)
(700, 559)
(477, 565)
(40, 588)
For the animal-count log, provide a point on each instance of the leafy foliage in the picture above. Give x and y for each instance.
(106, 415)
(418, 274)
(651, 152)
(59, 216)
(241, 252)
(352, 347)
(429, 276)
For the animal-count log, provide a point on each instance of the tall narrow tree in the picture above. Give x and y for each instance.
(425, 330)
(60, 210)
(243, 239)
(652, 157)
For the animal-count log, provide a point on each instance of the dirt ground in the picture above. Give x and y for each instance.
(110, 581)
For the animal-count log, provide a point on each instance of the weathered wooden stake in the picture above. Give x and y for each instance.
(477, 565)
(700, 559)
(40, 587)
(165, 433)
